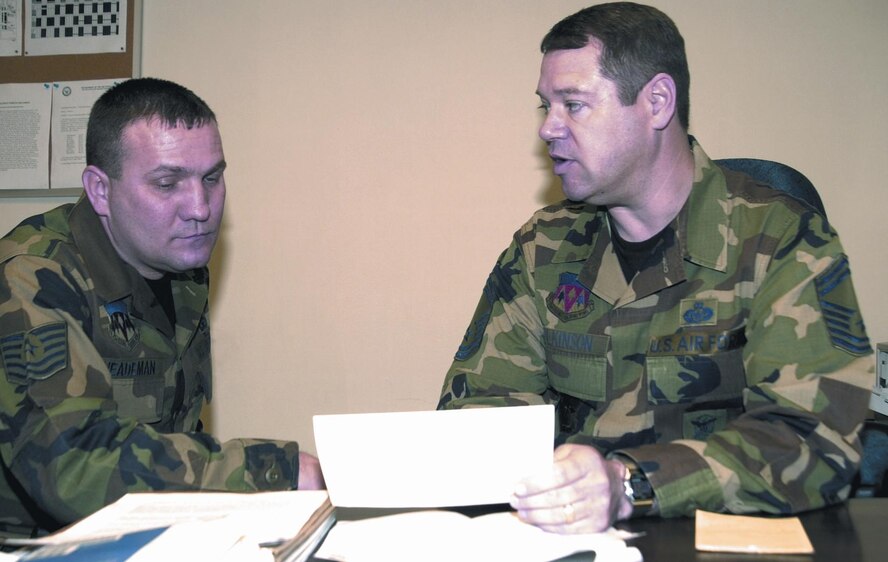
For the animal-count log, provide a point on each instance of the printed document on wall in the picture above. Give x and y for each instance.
(71, 104)
(75, 27)
(10, 28)
(24, 144)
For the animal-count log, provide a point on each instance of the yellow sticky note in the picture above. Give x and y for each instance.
(718, 532)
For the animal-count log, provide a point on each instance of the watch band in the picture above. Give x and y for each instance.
(637, 488)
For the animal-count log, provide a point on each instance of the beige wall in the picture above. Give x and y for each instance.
(383, 152)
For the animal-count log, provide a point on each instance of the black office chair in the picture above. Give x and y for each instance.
(872, 479)
(779, 176)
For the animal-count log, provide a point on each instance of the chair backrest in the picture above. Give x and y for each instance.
(779, 176)
(872, 479)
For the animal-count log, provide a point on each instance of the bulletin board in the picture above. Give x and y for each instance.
(24, 69)
(91, 66)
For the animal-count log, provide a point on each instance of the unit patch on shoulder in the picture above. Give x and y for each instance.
(37, 354)
(120, 325)
(475, 332)
(570, 299)
(840, 312)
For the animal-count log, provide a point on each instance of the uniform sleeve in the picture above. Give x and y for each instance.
(65, 450)
(503, 342)
(809, 371)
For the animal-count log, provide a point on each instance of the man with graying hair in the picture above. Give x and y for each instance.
(697, 331)
(104, 331)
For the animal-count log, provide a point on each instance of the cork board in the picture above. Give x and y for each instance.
(65, 68)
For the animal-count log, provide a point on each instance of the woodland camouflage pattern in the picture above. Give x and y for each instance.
(734, 369)
(99, 394)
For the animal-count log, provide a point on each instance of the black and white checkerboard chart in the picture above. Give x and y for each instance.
(75, 18)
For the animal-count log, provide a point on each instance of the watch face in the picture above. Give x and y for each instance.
(641, 488)
(640, 492)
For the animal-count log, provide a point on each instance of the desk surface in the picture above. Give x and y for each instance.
(852, 532)
(846, 533)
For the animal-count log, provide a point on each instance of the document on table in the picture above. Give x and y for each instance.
(445, 536)
(221, 520)
(721, 532)
(433, 458)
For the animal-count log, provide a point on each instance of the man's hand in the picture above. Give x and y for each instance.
(583, 493)
(310, 476)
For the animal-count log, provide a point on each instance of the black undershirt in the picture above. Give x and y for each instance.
(163, 292)
(634, 256)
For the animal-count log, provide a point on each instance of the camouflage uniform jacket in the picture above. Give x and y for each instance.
(734, 368)
(99, 394)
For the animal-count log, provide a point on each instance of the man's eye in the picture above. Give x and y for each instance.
(166, 184)
(544, 107)
(211, 180)
(573, 106)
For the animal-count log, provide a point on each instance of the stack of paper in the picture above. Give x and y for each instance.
(243, 527)
(438, 459)
(446, 536)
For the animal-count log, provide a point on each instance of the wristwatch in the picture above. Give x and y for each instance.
(637, 488)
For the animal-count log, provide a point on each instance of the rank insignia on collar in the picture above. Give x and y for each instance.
(571, 299)
(699, 312)
(120, 325)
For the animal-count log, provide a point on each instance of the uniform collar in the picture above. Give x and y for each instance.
(704, 222)
(699, 234)
(113, 278)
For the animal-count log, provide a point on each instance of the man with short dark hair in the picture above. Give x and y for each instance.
(697, 331)
(104, 331)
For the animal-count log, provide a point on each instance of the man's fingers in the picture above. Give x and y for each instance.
(574, 517)
(571, 465)
(547, 498)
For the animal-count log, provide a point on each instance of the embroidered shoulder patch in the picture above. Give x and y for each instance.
(840, 312)
(120, 325)
(35, 355)
(571, 299)
(475, 332)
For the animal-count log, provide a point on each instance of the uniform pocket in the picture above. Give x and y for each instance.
(577, 363)
(697, 372)
(139, 397)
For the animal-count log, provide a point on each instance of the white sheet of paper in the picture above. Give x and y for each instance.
(10, 30)
(24, 141)
(49, 30)
(71, 104)
(446, 536)
(433, 458)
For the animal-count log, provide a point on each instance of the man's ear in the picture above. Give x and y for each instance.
(659, 93)
(97, 186)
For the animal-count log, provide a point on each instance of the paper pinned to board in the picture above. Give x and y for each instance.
(719, 532)
(433, 458)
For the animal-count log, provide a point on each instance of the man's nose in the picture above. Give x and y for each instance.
(553, 126)
(196, 204)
